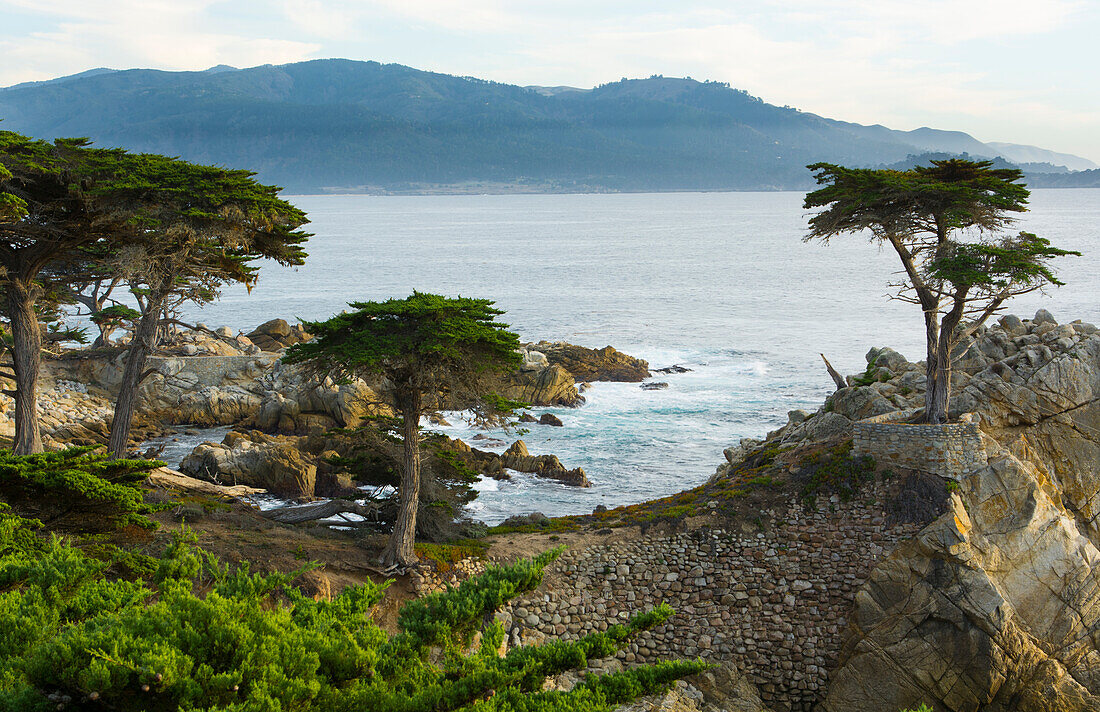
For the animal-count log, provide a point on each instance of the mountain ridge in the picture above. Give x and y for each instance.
(341, 125)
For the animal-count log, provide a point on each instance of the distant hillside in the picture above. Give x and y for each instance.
(1030, 154)
(340, 125)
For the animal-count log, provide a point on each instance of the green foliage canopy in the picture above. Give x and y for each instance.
(422, 340)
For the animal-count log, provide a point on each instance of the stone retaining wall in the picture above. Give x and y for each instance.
(951, 450)
(772, 599)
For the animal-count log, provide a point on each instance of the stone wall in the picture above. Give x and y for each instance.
(772, 598)
(951, 450)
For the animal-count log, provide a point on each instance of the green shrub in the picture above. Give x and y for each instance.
(835, 470)
(199, 635)
(79, 480)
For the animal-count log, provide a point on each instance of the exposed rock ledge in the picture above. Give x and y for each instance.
(995, 606)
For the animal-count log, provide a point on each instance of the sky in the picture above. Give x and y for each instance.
(1018, 71)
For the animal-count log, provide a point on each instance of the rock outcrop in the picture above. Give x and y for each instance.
(995, 606)
(606, 364)
(518, 458)
(552, 385)
(69, 414)
(277, 464)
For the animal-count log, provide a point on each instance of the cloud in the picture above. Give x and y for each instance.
(963, 64)
(134, 33)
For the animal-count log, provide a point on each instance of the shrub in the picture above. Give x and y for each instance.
(199, 635)
(79, 480)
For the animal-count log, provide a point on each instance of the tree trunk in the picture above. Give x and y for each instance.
(938, 399)
(140, 346)
(26, 353)
(931, 372)
(399, 551)
(939, 392)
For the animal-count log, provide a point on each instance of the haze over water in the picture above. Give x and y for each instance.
(718, 282)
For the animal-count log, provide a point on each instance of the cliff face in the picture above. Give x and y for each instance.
(996, 605)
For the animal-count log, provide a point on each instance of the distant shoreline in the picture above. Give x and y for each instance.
(504, 189)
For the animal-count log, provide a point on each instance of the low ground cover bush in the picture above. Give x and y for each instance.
(198, 634)
(78, 483)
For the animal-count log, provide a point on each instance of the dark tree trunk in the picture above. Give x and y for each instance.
(938, 400)
(141, 345)
(939, 392)
(932, 393)
(399, 551)
(26, 352)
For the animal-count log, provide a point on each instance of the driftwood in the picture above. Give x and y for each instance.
(318, 510)
(837, 378)
(170, 479)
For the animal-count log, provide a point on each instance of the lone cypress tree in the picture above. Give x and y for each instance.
(427, 347)
(945, 223)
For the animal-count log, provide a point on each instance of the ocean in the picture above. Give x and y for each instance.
(720, 283)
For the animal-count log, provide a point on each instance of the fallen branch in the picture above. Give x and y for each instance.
(318, 510)
(232, 340)
(837, 378)
(172, 480)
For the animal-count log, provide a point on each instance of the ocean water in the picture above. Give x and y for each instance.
(720, 283)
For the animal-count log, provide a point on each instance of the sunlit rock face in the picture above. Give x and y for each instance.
(996, 605)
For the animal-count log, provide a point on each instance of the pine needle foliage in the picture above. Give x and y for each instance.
(427, 339)
(79, 480)
(200, 635)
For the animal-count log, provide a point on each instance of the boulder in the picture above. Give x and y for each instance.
(517, 457)
(887, 358)
(1012, 325)
(533, 360)
(276, 335)
(550, 386)
(1043, 317)
(550, 419)
(857, 403)
(214, 405)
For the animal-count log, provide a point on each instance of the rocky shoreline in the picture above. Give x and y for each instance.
(213, 377)
(817, 580)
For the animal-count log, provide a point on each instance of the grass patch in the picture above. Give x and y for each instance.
(445, 556)
(556, 524)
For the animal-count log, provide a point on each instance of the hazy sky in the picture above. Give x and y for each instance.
(1022, 71)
